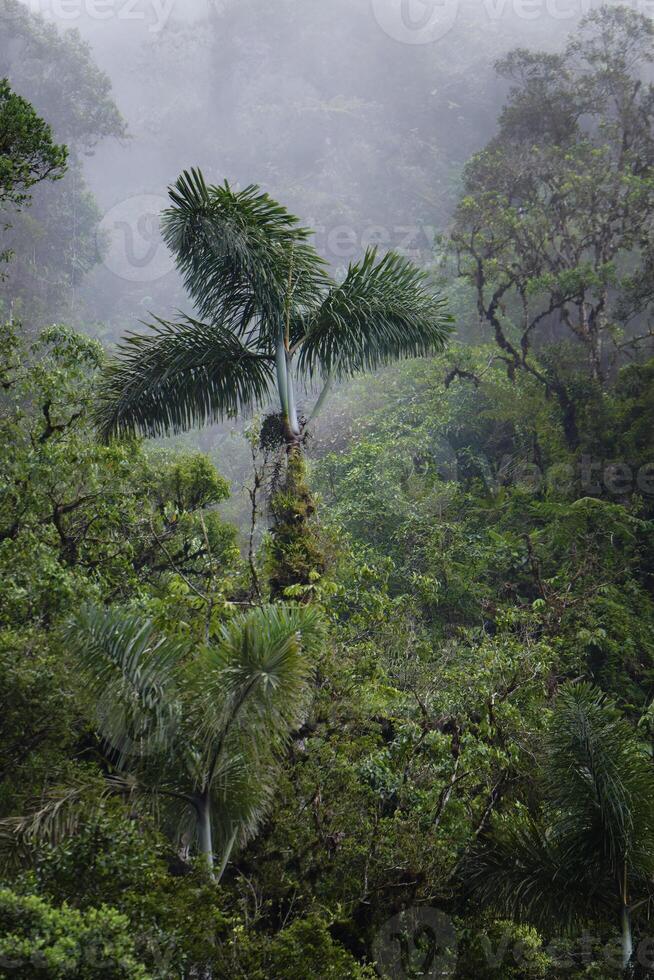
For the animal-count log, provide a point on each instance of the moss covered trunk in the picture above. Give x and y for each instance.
(296, 558)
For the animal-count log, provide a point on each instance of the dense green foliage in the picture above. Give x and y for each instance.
(399, 723)
(27, 152)
(56, 242)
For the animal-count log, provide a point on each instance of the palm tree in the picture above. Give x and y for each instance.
(593, 849)
(199, 731)
(269, 313)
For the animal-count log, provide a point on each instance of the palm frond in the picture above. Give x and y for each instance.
(597, 821)
(600, 782)
(254, 685)
(129, 673)
(241, 792)
(261, 663)
(241, 253)
(180, 375)
(520, 871)
(254, 691)
(381, 312)
(56, 815)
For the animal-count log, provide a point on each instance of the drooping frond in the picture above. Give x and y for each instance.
(180, 375)
(254, 691)
(58, 814)
(382, 311)
(521, 872)
(129, 673)
(597, 831)
(241, 792)
(600, 783)
(242, 255)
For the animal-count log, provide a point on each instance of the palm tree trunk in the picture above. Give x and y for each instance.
(292, 409)
(627, 941)
(322, 397)
(227, 854)
(281, 368)
(204, 833)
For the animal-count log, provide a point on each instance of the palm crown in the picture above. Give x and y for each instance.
(199, 730)
(268, 311)
(595, 845)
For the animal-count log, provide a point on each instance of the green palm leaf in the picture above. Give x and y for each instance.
(241, 254)
(382, 311)
(600, 783)
(129, 673)
(521, 871)
(180, 375)
(198, 731)
(255, 678)
(595, 842)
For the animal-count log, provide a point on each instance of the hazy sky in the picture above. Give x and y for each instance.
(358, 114)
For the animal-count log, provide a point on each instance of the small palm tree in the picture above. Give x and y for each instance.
(200, 730)
(269, 313)
(594, 848)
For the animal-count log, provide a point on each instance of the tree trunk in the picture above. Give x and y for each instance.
(296, 558)
(627, 941)
(569, 413)
(226, 855)
(204, 834)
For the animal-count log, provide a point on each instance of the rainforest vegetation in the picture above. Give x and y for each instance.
(327, 559)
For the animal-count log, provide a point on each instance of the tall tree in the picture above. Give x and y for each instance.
(555, 219)
(199, 730)
(271, 315)
(28, 153)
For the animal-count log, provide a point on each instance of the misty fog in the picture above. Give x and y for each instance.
(359, 128)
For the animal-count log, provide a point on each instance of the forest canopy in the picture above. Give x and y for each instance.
(326, 587)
